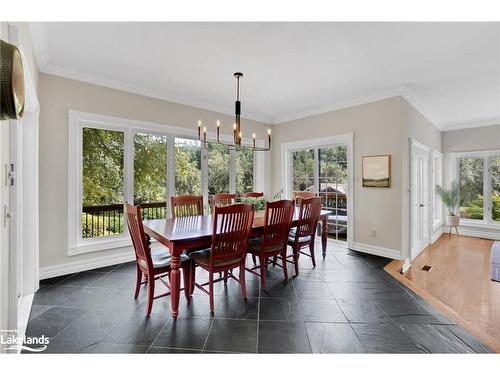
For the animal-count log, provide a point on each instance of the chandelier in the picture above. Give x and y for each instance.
(237, 133)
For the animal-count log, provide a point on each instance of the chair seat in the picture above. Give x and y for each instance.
(255, 246)
(203, 257)
(292, 234)
(161, 258)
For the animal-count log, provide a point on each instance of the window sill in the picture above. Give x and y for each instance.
(479, 224)
(94, 245)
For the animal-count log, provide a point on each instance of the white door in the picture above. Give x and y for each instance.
(420, 170)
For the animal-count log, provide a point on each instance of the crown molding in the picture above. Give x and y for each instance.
(98, 80)
(339, 105)
(474, 124)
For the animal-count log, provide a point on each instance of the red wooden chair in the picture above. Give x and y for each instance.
(154, 265)
(223, 199)
(299, 195)
(186, 205)
(252, 194)
(304, 234)
(231, 231)
(277, 223)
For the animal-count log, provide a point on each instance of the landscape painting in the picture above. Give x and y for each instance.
(377, 171)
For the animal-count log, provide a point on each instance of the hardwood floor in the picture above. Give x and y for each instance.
(459, 284)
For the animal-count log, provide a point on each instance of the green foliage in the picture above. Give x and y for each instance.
(474, 208)
(218, 169)
(150, 168)
(187, 167)
(302, 169)
(259, 203)
(496, 206)
(99, 225)
(102, 166)
(244, 170)
(451, 198)
(278, 195)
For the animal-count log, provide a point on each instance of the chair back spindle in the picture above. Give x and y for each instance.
(186, 205)
(136, 230)
(310, 209)
(223, 199)
(232, 226)
(277, 222)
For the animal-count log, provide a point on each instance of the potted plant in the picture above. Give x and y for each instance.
(451, 200)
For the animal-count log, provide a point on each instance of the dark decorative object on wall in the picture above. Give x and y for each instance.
(11, 82)
(377, 171)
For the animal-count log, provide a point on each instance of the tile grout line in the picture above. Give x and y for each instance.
(302, 315)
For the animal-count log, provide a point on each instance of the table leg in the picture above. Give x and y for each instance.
(324, 236)
(175, 284)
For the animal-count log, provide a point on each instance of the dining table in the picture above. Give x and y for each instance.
(181, 234)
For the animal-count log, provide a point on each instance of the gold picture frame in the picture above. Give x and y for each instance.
(376, 171)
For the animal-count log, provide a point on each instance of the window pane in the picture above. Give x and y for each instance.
(244, 170)
(187, 167)
(218, 169)
(495, 187)
(303, 170)
(102, 157)
(150, 175)
(333, 188)
(471, 188)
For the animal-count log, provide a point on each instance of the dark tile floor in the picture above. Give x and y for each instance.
(347, 304)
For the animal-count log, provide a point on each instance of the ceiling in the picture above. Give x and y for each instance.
(449, 71)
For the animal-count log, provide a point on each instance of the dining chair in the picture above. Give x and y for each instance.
(186, 205)
(299, 195)
(153, 265)
(304, 234)
(277, 223)
(252, 194)
(230, 235)
(223, 199)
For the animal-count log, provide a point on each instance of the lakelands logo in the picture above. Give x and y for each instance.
(12, 342)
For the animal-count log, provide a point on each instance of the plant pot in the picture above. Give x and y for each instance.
(453, 221)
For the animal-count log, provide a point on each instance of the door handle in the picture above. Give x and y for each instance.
(421, 205)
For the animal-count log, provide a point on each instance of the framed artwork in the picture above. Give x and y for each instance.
(376, 171)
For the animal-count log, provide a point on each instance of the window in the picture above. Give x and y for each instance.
(303, 170)
(471, 188)
(495, 188)
(187, 166)
(218, 169)
(478, 173)
(102, 185)
(150, 175)
(324, 171)
(113, 160)
(244, 170)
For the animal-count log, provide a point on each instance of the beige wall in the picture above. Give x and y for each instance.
(423, 131)
(57, 96)
(377, 129)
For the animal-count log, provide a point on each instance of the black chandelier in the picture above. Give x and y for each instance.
(237, 134)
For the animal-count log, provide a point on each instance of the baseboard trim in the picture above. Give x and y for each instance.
(85, 265)
(436, 234)
(377, 250)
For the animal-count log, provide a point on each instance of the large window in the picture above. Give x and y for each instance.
(113, 161)
(187, 167)
(479, 177)
(244, 170)
(324, 171)
(150, 175)
(218, 169)
(102, 185)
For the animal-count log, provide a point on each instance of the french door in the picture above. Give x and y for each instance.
(420, 173)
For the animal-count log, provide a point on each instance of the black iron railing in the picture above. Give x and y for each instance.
(106, 220)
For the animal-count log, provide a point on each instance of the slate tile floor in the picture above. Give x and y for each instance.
(347, 304)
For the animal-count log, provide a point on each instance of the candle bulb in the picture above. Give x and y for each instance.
(253, 136)
(234, 133)
(218, 130)
(269, 136)
(199, 129)
(205, 133)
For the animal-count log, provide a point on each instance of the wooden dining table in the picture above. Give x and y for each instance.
(194, 232)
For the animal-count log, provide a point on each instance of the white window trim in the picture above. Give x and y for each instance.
(78, 120)
(487, 221)
(286, 166)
